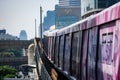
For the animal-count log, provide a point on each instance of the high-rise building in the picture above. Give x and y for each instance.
(23, 35)
(67, 12)
(66, 16)
(49, 20)
(69, 2)
(89, 7)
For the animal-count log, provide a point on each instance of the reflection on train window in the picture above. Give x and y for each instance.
(84, 54)
(74, 52)
(56, 50)
(106, 47)
(61, 51)
(49, 48)
(52, 51)
(67, 53)
(92, 47)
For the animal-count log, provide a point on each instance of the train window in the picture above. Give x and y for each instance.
(52, 49)
(79, 57)
(92, 50)
(49, 48)
(51, 43)
(84, 54)
(56, 50)
(75, 40)
(67, 53)
(61, 51)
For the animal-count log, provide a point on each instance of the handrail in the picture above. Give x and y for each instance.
(53, 71)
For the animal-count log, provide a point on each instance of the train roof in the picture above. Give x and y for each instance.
(50, 32)
(109, 14)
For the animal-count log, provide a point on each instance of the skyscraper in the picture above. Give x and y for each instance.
(49, 20)
(23, 35)
(69, 2)
(67, 12)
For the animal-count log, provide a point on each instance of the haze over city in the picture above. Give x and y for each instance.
(17, 15)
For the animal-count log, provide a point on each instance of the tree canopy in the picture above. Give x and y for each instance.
(10, 52)
(7, 72)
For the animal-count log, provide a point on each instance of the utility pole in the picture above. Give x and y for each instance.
(41, 22)
(41, 29)
(35, 29)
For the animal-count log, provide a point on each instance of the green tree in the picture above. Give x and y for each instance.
(6, 54)
(11, 52)
(7, 72)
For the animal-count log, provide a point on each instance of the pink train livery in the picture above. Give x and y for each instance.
(88, 49)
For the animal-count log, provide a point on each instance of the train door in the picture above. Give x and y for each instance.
(105, 52)
(116, 52)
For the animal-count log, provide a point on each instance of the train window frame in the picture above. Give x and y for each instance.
(84, 55)
(61, 45)
(67, 70)
(92, 52)
(52, 51)
(54, 48)
(49, 48)
(74, 35)
(56, 51)
(79, 55)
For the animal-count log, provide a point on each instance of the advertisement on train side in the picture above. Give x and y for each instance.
(105, 53)
(116, 56)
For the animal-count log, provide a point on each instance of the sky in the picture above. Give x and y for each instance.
(17, 15)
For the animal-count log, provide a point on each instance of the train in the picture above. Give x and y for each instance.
(88, 49)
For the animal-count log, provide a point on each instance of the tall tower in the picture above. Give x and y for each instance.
(67, 12)
(23, 35)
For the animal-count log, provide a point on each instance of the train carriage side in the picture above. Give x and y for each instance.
(108, 63)
(90, 49)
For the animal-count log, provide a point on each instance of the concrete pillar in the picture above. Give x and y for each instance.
(25, 51)
(31, 54)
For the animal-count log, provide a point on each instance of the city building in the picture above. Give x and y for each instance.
(2, 31)
(66, 15)
(23, 35)
(67, 12)
(69, 2)
(49, 20)
(89, 7)
(5, 36)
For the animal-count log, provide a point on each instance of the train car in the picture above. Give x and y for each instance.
(88, 49)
